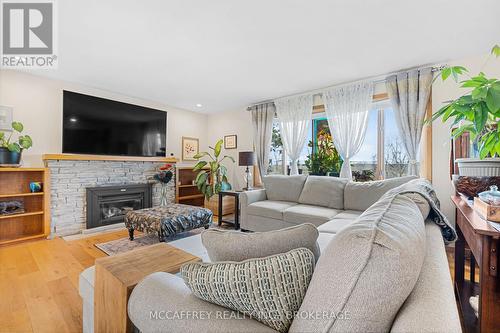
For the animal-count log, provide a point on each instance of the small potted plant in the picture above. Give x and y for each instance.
(11, 148)
(214, 179)
(477, 111)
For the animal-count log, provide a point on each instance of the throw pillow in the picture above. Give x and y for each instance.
(238, 246)
(361, 195)
(324, 191)
(283, 188)
(367, 271)
(269, 289)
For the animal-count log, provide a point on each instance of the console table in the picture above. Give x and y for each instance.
(484, 243)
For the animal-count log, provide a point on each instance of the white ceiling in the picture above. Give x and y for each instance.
(227, 54)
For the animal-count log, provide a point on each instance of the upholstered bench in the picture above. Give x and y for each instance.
(167, 220)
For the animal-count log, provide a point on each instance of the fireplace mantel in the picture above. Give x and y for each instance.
(83, 157)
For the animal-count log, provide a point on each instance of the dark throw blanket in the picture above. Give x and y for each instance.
(424, 188)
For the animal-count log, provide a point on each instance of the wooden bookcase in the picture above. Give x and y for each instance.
(35, 221)
(185, 192)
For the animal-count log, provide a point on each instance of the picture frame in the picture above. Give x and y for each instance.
(6, 118)
(190, 147)
(230, 141)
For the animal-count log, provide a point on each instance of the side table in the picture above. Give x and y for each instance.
(116, 277)
(484, 243)
(236, 196)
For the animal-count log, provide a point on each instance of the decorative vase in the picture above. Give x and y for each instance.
(475, 167)
(9, 158)
(163, 194)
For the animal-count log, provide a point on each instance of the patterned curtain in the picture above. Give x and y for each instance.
(262, 123)
(409, 94)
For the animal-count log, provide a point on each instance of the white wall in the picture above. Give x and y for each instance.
(37, 103)
(228, 123)
(441, 142)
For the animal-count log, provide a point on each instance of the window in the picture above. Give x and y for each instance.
(395, 157)
(382, 154)
(276, 157)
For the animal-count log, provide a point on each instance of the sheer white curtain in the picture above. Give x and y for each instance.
(347, 112)
(409, 94)
(294, 116)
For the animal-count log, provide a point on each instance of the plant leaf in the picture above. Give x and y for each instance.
(25, 141)
(480, 117)
(200, 155)
(493, 100)
(201, 178)
(17, 126)
(14, 147)
(445, 73)
(199, 166)
(218, 147)
(496, 51)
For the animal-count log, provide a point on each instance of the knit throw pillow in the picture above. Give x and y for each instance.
(269, 289)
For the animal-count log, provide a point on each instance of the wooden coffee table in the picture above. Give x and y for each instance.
(116, 277)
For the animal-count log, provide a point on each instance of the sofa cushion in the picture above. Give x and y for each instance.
(349, 214)
(269, 208)
(309, 214)
(335, 225)
(284, 188)
(367, 271)
(224, 245)
(361, 195)
(323, 191)
(269, 289)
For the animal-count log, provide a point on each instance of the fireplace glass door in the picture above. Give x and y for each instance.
(113, 209)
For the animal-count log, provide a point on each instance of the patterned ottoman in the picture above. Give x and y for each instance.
(167, 220)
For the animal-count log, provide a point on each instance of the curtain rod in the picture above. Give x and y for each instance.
(375, 79)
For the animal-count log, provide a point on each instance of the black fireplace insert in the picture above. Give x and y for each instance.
(108, 204)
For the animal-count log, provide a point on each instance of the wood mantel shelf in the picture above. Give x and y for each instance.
(83, 157)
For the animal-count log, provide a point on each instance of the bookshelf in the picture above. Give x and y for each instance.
(185, 192)
(34, 222)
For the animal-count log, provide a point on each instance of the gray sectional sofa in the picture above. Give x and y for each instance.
(333, 205)
(330, 203)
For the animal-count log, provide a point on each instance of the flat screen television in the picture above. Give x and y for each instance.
(99, 126)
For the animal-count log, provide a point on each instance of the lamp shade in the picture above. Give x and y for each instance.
(246, 158)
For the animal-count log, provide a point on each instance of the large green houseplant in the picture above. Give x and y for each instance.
(212, 174)
(477, 112)
(11, 147)
(324, 158)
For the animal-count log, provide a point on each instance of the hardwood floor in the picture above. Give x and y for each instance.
(39, 283)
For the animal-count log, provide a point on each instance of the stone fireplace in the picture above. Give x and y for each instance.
(71, 175)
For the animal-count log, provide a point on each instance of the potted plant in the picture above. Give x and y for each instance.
(11, 148)
(477, 112)
(324, 159)
(214, 179)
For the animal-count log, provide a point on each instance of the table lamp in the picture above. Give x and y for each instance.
(246, 158)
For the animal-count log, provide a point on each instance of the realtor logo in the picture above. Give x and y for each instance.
(28, 32)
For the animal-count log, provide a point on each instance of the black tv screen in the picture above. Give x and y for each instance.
(94, 125)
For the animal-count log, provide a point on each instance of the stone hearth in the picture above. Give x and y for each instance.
(70, 178)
